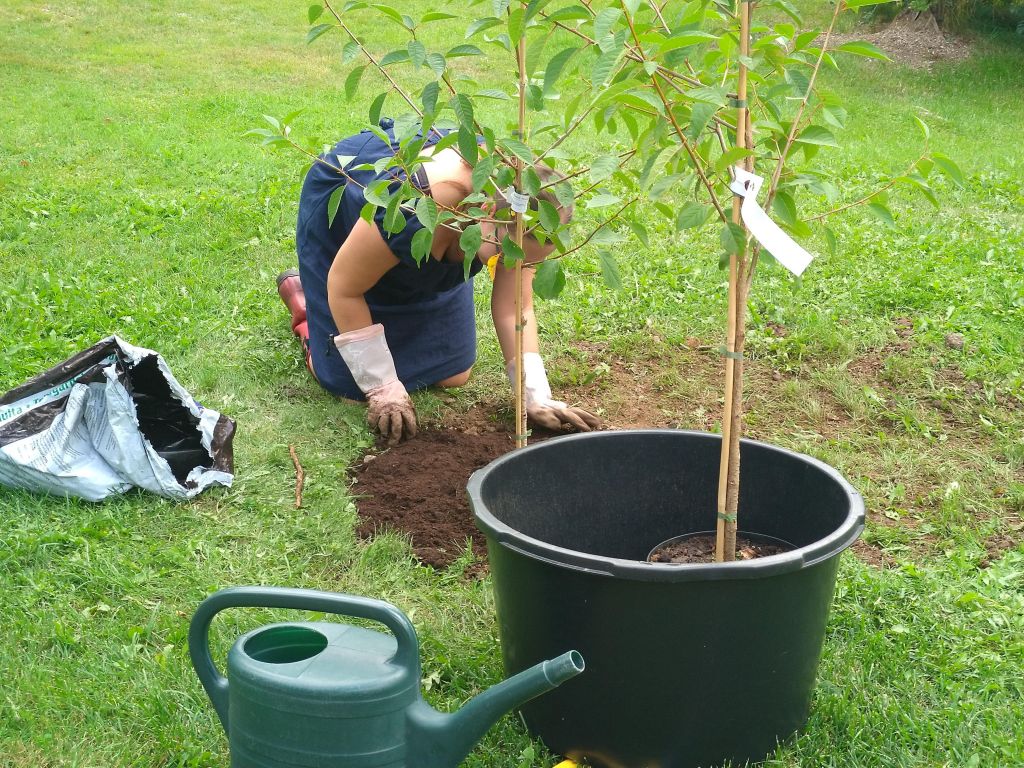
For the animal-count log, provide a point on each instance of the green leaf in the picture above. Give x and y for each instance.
(349, 52)
(817, 135)
(421, 244)
(318, 30)
(436, 63)
(470, 240)
(390, 12)
(604, 21)
(511, 252)
(333, 203)
(367, 213)
(948, 167)
(863, 48)
(515, 24)
(426, 212)
(570, 13)
(692, 215)
(394, 219)
(500, 7)
(632, 6)
(882, 213)
(830, 238)
(925, 130)
(731, 157)
(733, 237)
(603, 167)
(535, 97)
(549, 218)
(641, 233)
(602, 201)
(835, 115)
(464, 50)
(429, 96)
(376, 107)
(865, 3)
(784, 207)
(394, 57)
(555, 67)
(352, 82)
(531, 182)
(535, 7)
(604, 67)
(468, 147)
(377, 193)
(700, 116)
(549, 281)
(482, 172)
(518, 149)
(436, 16)
(315, 11)
(463, 109)
(417, 53)
(685, 40)
(610, 270)
(492, 93)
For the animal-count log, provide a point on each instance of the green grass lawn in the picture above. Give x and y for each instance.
(130, 203)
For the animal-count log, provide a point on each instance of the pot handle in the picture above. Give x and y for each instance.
(216, 685)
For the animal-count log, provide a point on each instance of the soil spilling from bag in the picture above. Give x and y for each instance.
(418, 488)
(701, 549)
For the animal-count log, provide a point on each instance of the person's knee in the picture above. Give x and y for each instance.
(458, 380)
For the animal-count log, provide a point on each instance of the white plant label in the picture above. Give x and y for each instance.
(765, 231)
(517, 200)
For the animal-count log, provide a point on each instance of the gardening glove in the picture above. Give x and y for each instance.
(390, 412)
(541, 409)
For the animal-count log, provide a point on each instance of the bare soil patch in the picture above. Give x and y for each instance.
(914, 38)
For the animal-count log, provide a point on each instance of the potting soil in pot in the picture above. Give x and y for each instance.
(701, 549)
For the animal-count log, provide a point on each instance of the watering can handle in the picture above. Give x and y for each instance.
(216, 685)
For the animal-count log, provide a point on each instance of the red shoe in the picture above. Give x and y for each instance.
(289, 288)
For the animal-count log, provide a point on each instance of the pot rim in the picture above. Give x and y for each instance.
(641, 570)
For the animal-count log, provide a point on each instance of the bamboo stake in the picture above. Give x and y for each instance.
(520, 229)
(732, 416)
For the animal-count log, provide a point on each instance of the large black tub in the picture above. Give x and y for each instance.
(687, 665)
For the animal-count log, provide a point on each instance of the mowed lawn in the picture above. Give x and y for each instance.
(131, 203)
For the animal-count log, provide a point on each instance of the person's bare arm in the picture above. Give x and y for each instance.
(361, 261)
(503, 311)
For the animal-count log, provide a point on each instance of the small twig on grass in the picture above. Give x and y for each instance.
(300, 476)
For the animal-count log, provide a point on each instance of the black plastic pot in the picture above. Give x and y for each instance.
(687, 665)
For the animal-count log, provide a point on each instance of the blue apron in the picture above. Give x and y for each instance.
(426, 309)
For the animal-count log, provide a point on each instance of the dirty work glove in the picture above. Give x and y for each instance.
(541, 409)
(367, 356)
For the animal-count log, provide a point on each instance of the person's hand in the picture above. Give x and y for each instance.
(391, 412)
(555, 415)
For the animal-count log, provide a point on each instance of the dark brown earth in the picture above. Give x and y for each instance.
(701, 549)
(913, 38)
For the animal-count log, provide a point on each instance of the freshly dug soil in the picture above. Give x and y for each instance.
(701, 549)
(419, 488)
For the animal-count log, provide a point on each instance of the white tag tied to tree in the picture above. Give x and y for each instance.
(765, 231)
(517, 200)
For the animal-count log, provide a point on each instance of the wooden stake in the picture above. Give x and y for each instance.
(732, 416)
(520, 230)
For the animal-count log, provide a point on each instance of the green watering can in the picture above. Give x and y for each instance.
(334, 695)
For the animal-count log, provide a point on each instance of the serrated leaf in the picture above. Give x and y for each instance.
(835, 115)
(463, 109)
(692, 215)
(500, 7)
(830, 239)
(493, 93)
(610, 270)
(394, 219)
(315, 12)
(377, 193)
(426, 212)
(273, 121)
(948, 167)
(421, 244)
(349, 52)
(437, 63)
(603, 167)
(733, 237)
(464, 50)
(700, 116)
(367, 213)
(518, 149)
(641, 233)
(352, 82)
(549, 218)
(482, 172)
(376, 107)
(436, 16)
(818, 136)
(604, 21)
(470, 240)
(394, 57)
(882, 213)
(481, 24)
(549, 281)
(511, 252)
(731, 157)
(685, 40)
(784, 207)
(863, 48)
(531, 182)
(429, 96)
(316, 31)
(555, 67)
(602, 201)
(390, 12)
(604, 67)
(925, 130)
(468, 147)
(417, 53)
(570, 13)
(535, 97)
(515, 24)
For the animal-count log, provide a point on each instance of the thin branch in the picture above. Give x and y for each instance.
(300, 476)
(597, 229)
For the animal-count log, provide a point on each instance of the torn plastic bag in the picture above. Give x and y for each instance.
(108, 419)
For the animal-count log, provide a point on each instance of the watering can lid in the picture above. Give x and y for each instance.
(337, 663)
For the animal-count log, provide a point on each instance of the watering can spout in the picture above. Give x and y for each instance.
(438, 740)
